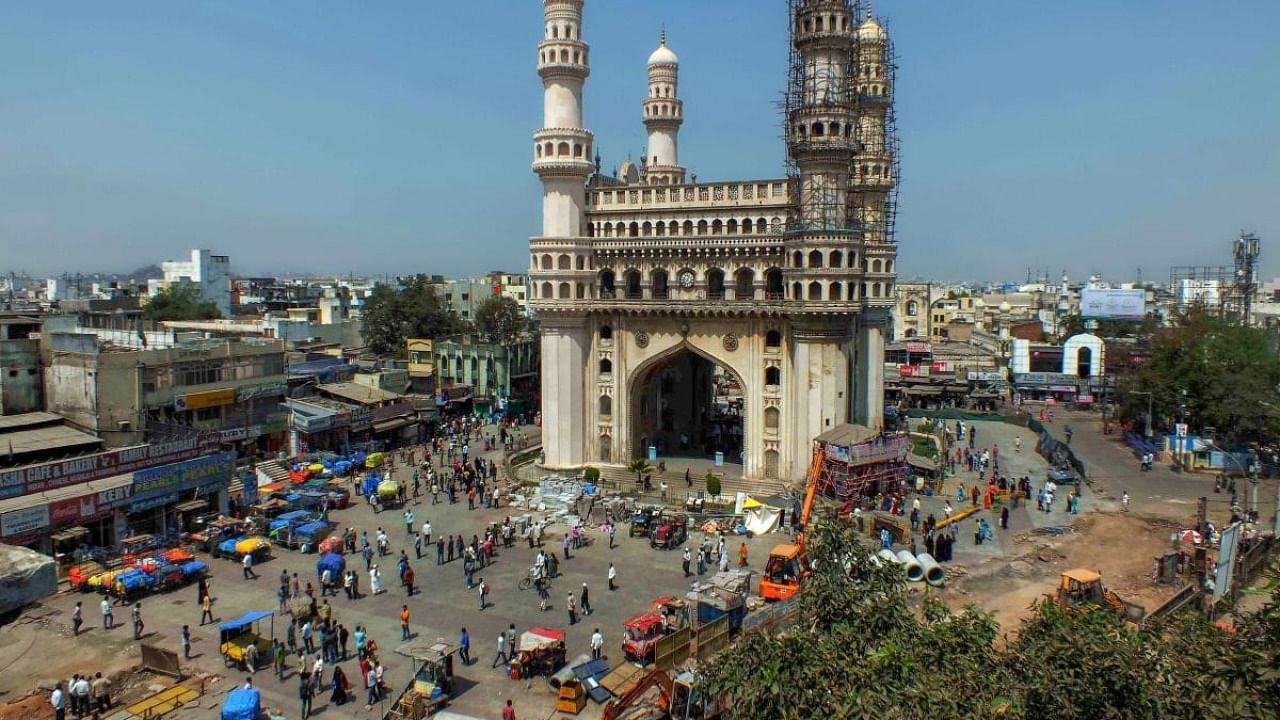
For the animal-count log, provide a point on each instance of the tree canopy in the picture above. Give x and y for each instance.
(179, 302)
(1215, 374)
(391, 315)
(860, 650)
(499, 319)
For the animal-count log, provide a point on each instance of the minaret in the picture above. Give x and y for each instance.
(560, 276)
(663, 114)
(873, 179)
(562, 148)
(820, 132)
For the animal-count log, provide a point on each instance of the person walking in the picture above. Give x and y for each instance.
(1124, 501)
(597, 644)
(408, 522)
(186, 642)
(307, 643)
(508, 712)
(108, 618)
(404, 622)
(278, 661)
(408, 577)
(375, 580)
(305, 693)
(1004, 517)
(138, 625)
(101, 691)
(464, 647)
(483, 590)
(501, 655)
(77, 619)
(742, 555)
(684, 561)
(571, 606)
(613, 575)
(206, 610)
(247, 565)
(584, 601)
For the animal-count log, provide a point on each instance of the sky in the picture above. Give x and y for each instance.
(394, 137)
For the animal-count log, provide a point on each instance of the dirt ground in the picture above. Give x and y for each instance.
(39, 639)
(1118, 545)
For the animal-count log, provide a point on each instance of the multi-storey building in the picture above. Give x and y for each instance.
(742, 317)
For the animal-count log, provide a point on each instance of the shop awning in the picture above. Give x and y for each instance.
(65, 493)
(69, 534)
(191, 505)
(393, 424)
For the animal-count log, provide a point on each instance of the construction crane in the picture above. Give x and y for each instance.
(787, 565)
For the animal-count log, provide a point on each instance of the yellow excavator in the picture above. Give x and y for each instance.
(787, 566)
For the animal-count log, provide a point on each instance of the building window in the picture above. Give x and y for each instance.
(773, 339)
(606, 366)
(772, 376)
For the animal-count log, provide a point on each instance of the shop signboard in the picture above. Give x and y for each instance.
(22, 521)
(1084, 399)
(156, 501)
(175, 478)
(909, 371)
(56, 474)
(941, 367)
(112, 498)
(261, 391)
(1041, 379)
(68, 512)
(985, 376)
(917, 346)
(206, 399)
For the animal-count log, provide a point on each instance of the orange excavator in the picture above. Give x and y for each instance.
(787, 566)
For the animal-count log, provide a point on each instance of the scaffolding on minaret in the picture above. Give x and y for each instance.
(859, 214)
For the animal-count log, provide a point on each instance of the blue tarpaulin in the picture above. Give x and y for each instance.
(242, 704)
(332, 562)
(245, 620)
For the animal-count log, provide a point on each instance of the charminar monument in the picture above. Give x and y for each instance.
(741, 317)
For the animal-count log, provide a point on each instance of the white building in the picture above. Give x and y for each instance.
(210, 273)
(745, 316)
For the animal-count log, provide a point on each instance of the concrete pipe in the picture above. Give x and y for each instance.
(888, 556)
(565, 673)
(915, 572)
(933, 572)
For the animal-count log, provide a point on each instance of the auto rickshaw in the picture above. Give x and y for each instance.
(235, 636)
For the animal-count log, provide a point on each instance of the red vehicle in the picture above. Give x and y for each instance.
(669, 533)
(641, 635)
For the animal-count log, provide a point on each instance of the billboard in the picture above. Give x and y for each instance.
(1111, 304)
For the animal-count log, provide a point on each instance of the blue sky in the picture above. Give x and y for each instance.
(395, 136)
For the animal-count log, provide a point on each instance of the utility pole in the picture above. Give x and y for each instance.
(1202, 555)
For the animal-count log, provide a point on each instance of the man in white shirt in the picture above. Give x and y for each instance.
(501, 655)
(597, 644)
(80, 694)
(426, 532)
(58, 700)
(108, 620)
(248, 567)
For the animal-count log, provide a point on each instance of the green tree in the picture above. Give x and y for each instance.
(713, 484)
(498, 319)
(1213, 374)
(390, 315)
(179, 302)
(639, 466)
(861, 647)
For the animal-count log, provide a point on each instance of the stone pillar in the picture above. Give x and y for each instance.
(565, 346)
(819, 391)
(868, 395)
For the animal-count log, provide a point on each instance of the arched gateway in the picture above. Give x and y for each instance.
(685, 403)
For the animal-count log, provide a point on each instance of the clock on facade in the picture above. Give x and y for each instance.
(686, 279)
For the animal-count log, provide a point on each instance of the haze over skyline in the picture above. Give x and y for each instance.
(396, 138)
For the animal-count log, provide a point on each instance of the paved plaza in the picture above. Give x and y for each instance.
(441, 607)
